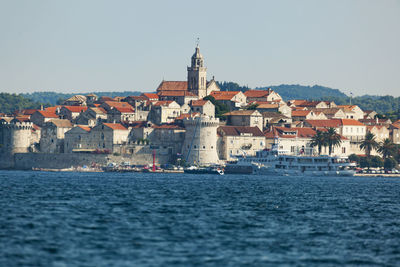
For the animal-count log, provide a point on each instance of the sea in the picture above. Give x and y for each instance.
(139, 219)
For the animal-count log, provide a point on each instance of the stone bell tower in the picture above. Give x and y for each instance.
(197, 75)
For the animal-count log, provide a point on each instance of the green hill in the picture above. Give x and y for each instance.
(55, 98)
(12, 102)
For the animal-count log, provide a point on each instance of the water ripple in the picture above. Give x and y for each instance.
(101, 219)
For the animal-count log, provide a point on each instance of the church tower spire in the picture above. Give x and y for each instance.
(197, 74)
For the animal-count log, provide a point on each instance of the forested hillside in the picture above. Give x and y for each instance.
(11, 102)
(55, 98)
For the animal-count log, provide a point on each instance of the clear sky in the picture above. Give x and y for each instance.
(97, 45)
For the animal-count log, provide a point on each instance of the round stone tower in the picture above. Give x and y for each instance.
(16, 136)
(200, 145)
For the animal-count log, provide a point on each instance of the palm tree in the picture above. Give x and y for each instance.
(387, 148)
(368, 143)
(333, 139)
(318, 140)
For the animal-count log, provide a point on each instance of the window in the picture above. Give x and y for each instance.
(204, 147)
(343, 150)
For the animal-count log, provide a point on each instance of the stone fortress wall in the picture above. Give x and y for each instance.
(200, 144)
(27, 161)
(15, 137)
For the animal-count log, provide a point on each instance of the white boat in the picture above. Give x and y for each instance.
(277, 161)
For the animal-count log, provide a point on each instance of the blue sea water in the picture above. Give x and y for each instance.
(111, 219)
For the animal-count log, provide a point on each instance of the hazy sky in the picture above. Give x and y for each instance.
(96, 45)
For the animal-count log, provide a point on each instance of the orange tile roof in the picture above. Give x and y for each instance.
(150, 95)
(28, 111)
(198, 103)
(77, 109)
(224, 95)
(256, 93)
(22, 118)
(47, 114)
(351, 122)
(125, 109)
(173, 86)
(52, 109)
(83, 127)
(334, 123)
(115, 104)
(175, 93)
(283, 132)
(267, 106)
(297, 102)
(187, 115)
(115, 126)
(163, 103)
(300, 113)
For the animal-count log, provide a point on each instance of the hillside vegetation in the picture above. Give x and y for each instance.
(55, 98)
(12, 102)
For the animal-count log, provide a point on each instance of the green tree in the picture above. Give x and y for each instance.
(332, 138)
(368, 143)
(319, 140)
(387, 148)
(220, 109)
(389, 163)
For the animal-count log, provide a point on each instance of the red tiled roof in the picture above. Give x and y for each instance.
(125, 109)
(47, 114)
(224, 95)
(77, 109)
(22, 118)
(187, 115)
(137, 98)
(83, 127)
(163, 103)
(150, 96)
(52, 109)
(173, 86)
(175, 93)
(334, 123)
(351, 122)
(300, 113)
(28, 111)
(115, 126)
(238, 130)
(198, 103)
(267, 106)
(106, 98)
(297, 102)
(256, 93)
(115, 104)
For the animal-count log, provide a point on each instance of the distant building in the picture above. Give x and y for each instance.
(239, 141)
(251, 118)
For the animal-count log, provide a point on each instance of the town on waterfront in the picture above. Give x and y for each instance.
(192, 122)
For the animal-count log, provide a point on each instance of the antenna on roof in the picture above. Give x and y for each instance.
(197, 42)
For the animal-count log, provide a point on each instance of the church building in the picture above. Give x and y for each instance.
(196, 86)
